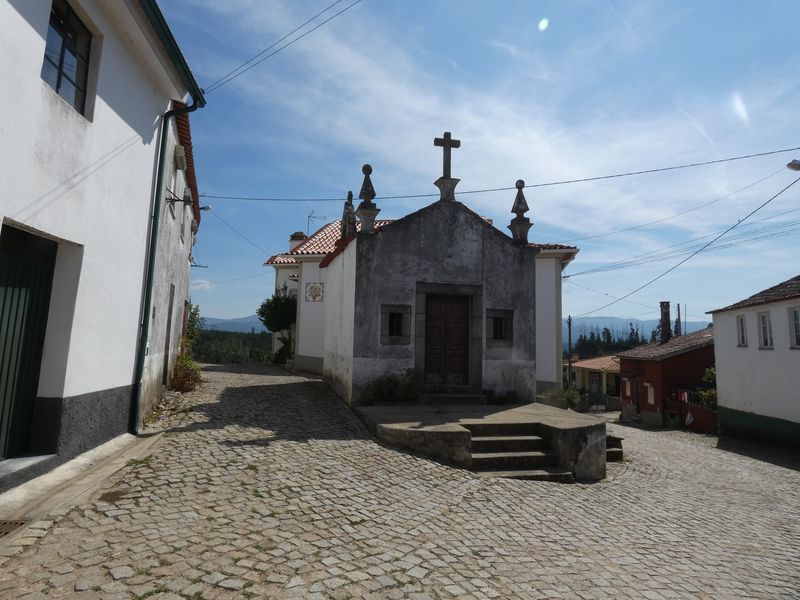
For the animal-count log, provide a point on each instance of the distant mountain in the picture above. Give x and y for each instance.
(245, 324)
(620, 327)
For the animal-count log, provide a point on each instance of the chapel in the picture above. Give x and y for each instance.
(440, 291)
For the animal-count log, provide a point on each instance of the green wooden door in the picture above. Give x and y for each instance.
(26, 276)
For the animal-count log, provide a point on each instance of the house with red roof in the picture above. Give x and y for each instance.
(650, 373)
(757, 349)
(600, 378)
(441, 291)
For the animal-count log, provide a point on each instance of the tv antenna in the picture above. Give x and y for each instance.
(313, 217)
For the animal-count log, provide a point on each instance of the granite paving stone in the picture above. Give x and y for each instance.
(266, 486)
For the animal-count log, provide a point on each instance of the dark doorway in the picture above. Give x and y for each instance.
(637, 396)
(168, 335)
(446, 339)
(26, 280)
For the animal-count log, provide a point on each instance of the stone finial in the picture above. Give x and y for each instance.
(348, 228)
(367, 190)
(520, 224)
(446, 183)
(367, 209)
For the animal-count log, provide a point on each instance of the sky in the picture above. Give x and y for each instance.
(543, 91)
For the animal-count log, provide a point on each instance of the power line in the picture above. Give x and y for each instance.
(286, 45)
(768, 232)
(239, 278)
(503, 189)
(653, 309)
(679, 214)
(675, 266)
(241, 235)
(213, 85)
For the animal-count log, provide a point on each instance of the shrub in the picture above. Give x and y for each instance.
(185, 375)
(394, 388)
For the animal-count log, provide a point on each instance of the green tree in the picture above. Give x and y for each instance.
(194, 325)
(278, 314)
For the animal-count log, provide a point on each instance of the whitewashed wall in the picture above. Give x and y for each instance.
(85, 182)
(548, 320)
(755, 380)
(310, 342)
(340, 277)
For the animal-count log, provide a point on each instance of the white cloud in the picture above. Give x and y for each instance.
(739, 108)
(201, 285)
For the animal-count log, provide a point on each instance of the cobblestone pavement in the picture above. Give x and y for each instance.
(267, 487)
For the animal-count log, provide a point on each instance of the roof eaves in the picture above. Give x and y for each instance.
(162, 30)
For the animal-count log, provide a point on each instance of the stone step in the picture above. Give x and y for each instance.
(505, 461)
(613, 454)
(502, 429)
(613, 441)
(546, 474)
(452, 399)
(507, 443)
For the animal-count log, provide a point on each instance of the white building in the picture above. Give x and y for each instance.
(757, 352)
(99, 209)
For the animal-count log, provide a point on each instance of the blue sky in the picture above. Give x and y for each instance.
(598, 88)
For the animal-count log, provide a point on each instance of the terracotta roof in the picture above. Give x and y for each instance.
(281, 259)
(185, 137)
(606, 364)
(320, 242)
(674, 347)
(323, 241)
(783, 291)
(553, 247)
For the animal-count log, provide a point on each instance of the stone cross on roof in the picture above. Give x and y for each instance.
(447, 143)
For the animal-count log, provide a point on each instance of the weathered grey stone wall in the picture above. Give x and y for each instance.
(445, 243)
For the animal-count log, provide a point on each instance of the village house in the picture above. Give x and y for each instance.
(99, 212)
(314, 269)
(653, 372)
(757, 350)
(600, 379)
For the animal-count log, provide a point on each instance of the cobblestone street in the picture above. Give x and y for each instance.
(266, 486)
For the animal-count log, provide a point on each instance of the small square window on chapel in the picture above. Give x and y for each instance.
(499, 327)
(395, 324)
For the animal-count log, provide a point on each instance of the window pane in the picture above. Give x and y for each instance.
(53, 45)
(70, 64)
(78, 36)
(50, 73)
(71, 94)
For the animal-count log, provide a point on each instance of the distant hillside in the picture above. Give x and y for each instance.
(244, 324)
(620, 327)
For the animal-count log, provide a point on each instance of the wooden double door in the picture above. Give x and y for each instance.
(447, 339)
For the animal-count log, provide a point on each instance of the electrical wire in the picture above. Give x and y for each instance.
(286, 45)
(768, 232)
(241, 235)
(238, 278)
(653, 310)
(213, 85)
(678, 214)
(535, 185)
(695, 253)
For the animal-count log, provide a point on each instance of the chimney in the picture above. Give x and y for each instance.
(666, 330)
(297, 238)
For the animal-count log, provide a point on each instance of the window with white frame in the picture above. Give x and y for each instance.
(764, 330)
(741, 330)
(794, 325)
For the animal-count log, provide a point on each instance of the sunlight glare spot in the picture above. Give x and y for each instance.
(543, 24)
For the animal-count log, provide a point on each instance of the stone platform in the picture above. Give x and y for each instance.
(571, 443)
